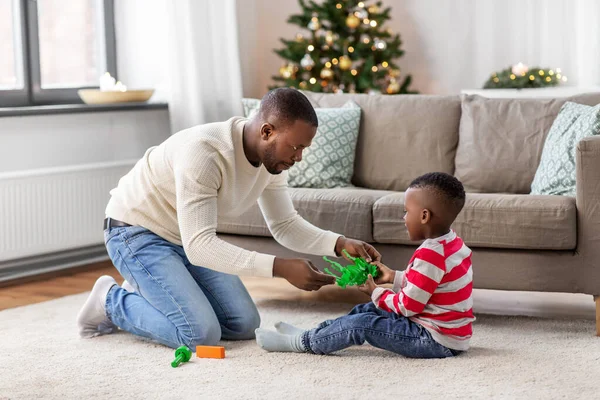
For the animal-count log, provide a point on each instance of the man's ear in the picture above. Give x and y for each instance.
(266, 131)
(425, 216)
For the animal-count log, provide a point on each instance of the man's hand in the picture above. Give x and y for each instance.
(301, 273)
(357, 248)
(368, 287)
(384, 273)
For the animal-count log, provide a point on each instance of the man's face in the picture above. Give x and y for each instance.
(284, 147)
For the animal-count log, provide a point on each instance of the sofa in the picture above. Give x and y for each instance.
(520, 241)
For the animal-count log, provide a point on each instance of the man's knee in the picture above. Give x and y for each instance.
(243, 326)
(208, 334)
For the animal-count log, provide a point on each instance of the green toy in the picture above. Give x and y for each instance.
(353, 274)
(182, 354)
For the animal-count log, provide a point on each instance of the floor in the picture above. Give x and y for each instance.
(81, 279)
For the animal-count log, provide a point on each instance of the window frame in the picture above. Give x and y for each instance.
(32, 93)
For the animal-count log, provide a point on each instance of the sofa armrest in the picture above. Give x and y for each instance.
(588, 213)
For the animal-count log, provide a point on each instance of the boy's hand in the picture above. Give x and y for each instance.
(385, 273)
(369, 286)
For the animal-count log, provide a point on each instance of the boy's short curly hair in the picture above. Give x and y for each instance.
(447, 188)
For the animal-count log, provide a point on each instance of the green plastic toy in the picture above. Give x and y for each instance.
(182, 354)
(353, 274)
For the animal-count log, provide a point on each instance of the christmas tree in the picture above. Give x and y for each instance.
(348, 50)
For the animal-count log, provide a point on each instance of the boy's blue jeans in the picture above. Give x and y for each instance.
(175, 303)
(386, 330)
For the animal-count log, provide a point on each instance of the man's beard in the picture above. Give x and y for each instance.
(269, 161)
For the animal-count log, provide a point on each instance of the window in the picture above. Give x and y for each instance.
(51, 48)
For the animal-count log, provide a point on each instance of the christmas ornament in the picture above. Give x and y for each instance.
(329, 38)
(373, 9)
(307, 62)
(352, 21)
(287, 71)
(394, 73)
(326, 73)
(345, 63)
(380, 44)
(361, 13)
(393, 87)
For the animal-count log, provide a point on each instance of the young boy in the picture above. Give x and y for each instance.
(428, 314)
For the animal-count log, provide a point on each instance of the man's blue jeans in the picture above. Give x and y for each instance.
(386, 330)
(175, 303)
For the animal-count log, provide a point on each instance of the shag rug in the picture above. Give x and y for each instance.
(41, 356)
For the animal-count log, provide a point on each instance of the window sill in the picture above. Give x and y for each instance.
(77, 108)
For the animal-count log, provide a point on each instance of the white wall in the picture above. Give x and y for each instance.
(450, 45)
(32, 142)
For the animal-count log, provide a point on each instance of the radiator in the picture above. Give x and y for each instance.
(56, 209)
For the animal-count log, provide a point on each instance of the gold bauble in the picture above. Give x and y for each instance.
(373, 9)
(326, 73)
(394, 73)
(393, 87)
(352, 21)
(287, 71)
(345, 63)
(314, 24)
(329, 37)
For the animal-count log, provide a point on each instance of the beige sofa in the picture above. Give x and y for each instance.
(519, 241)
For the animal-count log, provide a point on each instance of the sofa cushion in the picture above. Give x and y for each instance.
(493, 220)
(501, 140)
(401, 136)
(347, 211)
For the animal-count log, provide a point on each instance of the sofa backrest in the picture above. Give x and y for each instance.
(501, 140)
(401, 136)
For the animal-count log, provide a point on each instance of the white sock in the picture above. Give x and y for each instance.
(287, 329)
(275, 341)
(92, 320)
(127, 286)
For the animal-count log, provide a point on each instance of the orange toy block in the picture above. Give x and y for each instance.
(210, 352)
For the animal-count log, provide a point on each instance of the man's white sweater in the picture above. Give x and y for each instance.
(180, 188)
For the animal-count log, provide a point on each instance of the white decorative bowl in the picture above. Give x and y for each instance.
(95, 96)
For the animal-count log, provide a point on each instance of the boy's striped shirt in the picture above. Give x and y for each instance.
(435, 291)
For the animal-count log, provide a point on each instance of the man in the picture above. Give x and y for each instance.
(181, 286)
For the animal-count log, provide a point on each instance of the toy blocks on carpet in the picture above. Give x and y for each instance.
(210, 352)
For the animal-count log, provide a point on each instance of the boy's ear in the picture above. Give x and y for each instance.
(425, 216)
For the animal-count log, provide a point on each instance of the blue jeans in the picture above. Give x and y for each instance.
(382, 329)
(175, 303)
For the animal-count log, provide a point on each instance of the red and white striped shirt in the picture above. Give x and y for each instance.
(435, 291)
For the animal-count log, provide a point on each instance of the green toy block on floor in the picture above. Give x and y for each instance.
(354, 274)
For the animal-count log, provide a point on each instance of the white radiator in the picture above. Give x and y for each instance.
(55, 209)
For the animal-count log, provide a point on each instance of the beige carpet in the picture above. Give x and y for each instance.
(512, 357)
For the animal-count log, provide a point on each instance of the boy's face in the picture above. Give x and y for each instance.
(415, 215)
